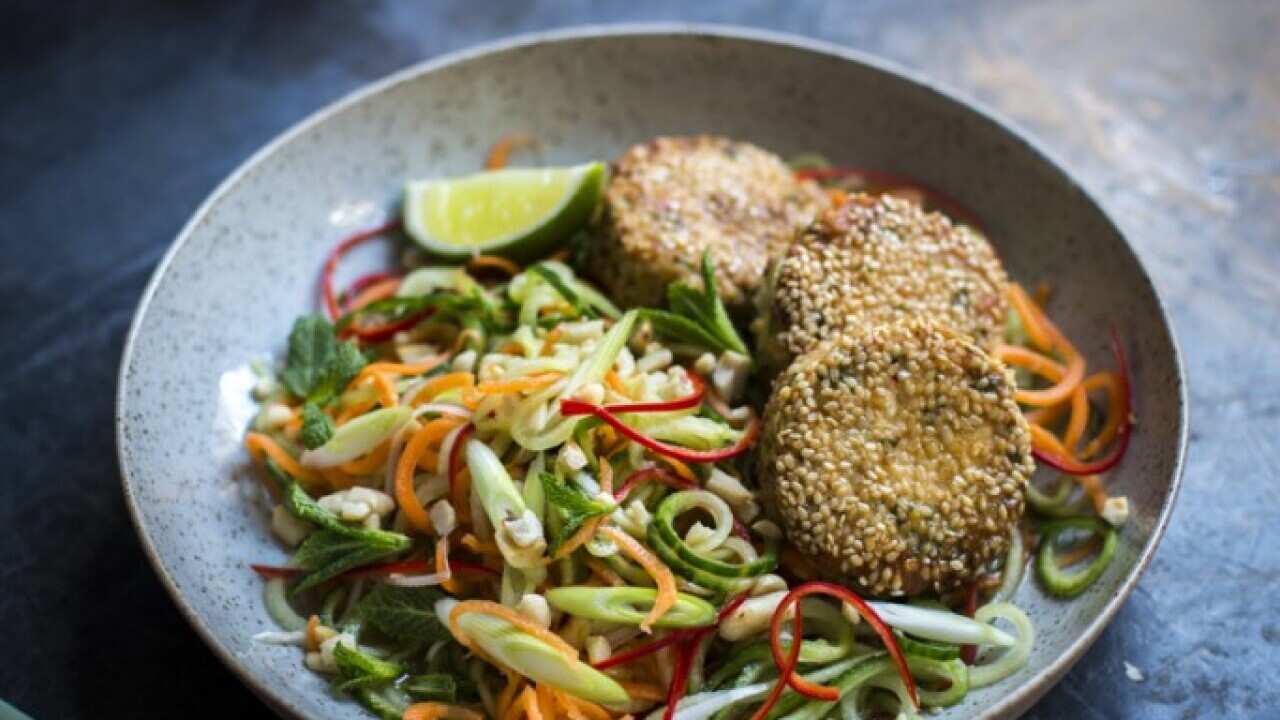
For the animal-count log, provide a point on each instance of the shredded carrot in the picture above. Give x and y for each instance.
(309, 637)
(512, 348)
(503, 704)
(838, 197)
(1042, 293)
(392, 368)
(502, 149)
(1079, 418)
(615, 384)
(259, 445)
(1046, 441)
(1115, 408)
(439, 711)
(643, 691)
(681, 469)
(660, 573)
(577, 707)
(353, 411)
(529, 701)
(338, 479)
(494, 262)
(503, 612)
(507, 387)
(1031, 316)
(370, 462)
(579, 538)
(549, 340)
(387, 396)
(1028, 359)
(606, 476)
(603, 572)
(437, 385)
(546, 700)
(406, 498)
(430, 460)
(479, 547)
(380, 290)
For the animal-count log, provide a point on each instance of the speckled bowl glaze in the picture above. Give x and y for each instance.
(246, 265)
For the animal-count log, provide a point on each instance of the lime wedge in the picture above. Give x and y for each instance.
(520, 213)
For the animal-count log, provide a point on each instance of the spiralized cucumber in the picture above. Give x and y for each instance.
(1011, 659)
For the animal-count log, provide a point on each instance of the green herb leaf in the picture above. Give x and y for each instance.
(317, 427)
(329, 553)
(360, 669)
(343, 365)
(697, 317)
(375, 700)
(567, 292)
(434, 687)
(575, 505)
(302, 506)
(311, 344)
(404, 613)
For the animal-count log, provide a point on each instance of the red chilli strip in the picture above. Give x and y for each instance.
(968, 653)
(680, 674)
(404, 567)
(674, 637)
(693, 399)
(331, 263)
(380, 333)
(652, 473)
(571, 407)
(454, 452)
(1123, 431)
(272, 572)
(823, 692)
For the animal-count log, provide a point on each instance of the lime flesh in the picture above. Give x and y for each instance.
(520, 213)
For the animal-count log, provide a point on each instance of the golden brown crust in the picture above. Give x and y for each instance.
(670, 199)
(898, 456)
(878, 260)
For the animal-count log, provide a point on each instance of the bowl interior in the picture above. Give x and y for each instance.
(247, 265)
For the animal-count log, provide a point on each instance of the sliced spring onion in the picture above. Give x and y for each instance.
(1060, 582)
(517, 530)
(628, 605)
(533, 658)
(357, 437)
(927, 648)
(276, 595)
(942, 625)
(1012, 659)
(559, 428)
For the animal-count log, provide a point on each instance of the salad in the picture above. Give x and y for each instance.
(505, 496)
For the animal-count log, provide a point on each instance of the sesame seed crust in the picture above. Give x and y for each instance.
(877, 260)
(670, 199)
(896, 457)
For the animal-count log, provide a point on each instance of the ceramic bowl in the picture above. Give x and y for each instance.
(247, 262)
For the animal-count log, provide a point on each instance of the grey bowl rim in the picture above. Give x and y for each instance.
(1017, 701)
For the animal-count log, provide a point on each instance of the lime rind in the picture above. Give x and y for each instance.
(536, 238)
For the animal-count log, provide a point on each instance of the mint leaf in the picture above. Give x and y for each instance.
(404, 613)
(311, 344)
(697, 317)
(317, 427)
(360, 669)
(570, 295)
(575, 505)
(343, 365)
(329, 553)
(434, 687)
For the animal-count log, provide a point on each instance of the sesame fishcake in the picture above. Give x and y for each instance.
(897, 457)
(878, 260)
(672, 198)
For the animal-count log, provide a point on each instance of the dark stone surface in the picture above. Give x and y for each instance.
(119, 119)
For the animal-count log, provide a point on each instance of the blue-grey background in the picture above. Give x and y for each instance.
(118, 118)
